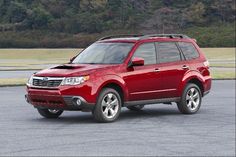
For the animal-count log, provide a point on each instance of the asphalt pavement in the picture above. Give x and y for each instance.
(157, 130)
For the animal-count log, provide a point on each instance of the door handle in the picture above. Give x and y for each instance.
(157, 70)
(185, 67)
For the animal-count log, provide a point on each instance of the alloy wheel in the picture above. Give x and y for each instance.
(193, 99)
(110, 105)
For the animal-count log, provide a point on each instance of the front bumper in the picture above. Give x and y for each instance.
(59, 102)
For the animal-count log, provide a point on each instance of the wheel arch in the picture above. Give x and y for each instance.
(195, 78)
(117, 85)
(198, 83)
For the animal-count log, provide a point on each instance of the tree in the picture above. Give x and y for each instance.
(224, 10)
(195, 14)
(38, 18)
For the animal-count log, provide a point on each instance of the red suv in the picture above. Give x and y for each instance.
(124, 71)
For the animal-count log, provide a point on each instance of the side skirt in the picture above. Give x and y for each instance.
(152, 101)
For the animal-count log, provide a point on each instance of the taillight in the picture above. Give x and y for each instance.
(206, 63)
(195, 40)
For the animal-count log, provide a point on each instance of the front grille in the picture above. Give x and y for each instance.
(47, 82)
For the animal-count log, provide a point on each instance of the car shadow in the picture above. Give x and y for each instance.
(125, 115)
(69, 119)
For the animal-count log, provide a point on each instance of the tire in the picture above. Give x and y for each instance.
(136, 107)
(108, 106)
(47, 113)
(191, 99)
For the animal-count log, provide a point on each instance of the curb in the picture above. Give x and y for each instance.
(224, 79)
(12, 85)
(19, 69)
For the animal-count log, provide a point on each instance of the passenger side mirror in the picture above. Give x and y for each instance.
(137, 61)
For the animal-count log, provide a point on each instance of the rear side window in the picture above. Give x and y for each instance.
(146, 51)
(188, 50)
(168, 52)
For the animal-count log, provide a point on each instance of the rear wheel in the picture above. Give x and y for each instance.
(50, 113)
(136, 107)
(108, 106)
(191, 99)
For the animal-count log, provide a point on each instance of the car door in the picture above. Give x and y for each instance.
(141, 80)
(172, 68)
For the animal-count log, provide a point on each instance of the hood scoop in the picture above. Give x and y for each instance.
(63, 67)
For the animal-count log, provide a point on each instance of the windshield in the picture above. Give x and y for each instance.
(104, 53)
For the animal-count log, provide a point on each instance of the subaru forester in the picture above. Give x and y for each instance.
(124, 71)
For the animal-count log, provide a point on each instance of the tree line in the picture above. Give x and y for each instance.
(76, 23)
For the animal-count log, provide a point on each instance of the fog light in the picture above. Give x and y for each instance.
(78, 102)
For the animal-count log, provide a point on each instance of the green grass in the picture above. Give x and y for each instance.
(38, 54)
(22, 59)
(216, 74)
(12, 81)
(220, 57)
(219, 53)
(227, 65)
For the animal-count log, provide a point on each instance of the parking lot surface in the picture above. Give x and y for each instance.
(157, 130)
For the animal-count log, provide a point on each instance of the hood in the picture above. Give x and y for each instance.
(70, 70)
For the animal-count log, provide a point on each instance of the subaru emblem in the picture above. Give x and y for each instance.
(45, 79)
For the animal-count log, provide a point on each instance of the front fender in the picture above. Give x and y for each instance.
(110, 79)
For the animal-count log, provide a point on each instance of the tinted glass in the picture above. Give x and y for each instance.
(146, 51)
(168, 52)
(104, 53)
(188, 50)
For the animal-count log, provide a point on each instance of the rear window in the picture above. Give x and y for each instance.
(168, 52)
(188, 50)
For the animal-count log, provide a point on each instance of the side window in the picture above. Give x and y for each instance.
(168, 52)
(188, 50)
(146, 51)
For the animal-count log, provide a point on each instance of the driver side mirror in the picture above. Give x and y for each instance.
(137, 61)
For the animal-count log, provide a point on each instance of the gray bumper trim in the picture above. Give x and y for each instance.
(70, 102)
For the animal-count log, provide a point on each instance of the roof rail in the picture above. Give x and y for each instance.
(120, 36)
(165, 35)
(145, 36)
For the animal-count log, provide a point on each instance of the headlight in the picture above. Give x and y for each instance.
(30, 81)
(74, 80)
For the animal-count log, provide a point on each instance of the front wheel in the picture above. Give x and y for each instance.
(191, 99)
(50, 113)
(108, 106)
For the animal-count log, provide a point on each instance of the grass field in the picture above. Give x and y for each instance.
(219, 53)
(13, 81)
(22, 59)
(25, 59)
(38, 54)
